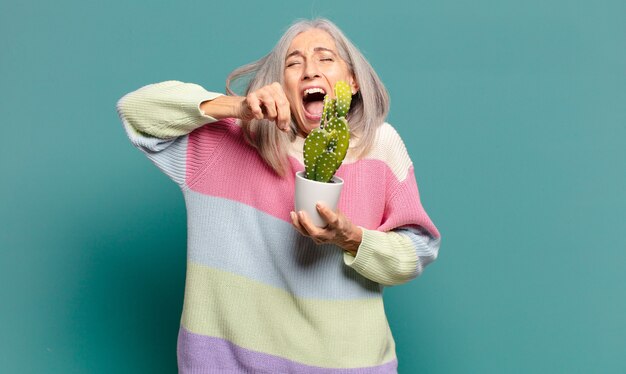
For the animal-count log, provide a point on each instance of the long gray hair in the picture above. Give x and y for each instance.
(368, 110)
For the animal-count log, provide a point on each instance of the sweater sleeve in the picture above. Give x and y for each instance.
(157, 119)
(394, 257)
(406, 240)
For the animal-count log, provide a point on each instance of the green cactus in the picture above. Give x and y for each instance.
(326, 146)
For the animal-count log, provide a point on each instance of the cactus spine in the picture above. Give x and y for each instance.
(326, 146)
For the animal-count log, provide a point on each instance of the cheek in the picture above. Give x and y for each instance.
(290, 80)
(337, 74)
(342, 72)
(290, 92)
(293, 101)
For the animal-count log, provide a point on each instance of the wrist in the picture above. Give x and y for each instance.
(222, 107)
(354, 240)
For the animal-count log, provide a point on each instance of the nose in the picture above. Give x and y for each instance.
(310, 71)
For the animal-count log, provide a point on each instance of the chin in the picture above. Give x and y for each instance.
(310, 128)
(306, 127)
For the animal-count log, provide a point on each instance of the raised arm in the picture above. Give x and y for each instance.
(158, 117)
(165, 110)
(170, 109)
(267, 102)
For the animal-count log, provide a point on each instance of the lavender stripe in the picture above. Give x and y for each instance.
(204, 354)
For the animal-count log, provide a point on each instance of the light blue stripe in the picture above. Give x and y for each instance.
(426, 246)
(169, 155)
(266, 249)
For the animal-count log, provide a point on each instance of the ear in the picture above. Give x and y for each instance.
(354, 86)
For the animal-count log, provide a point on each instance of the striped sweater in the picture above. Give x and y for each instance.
(260, 297)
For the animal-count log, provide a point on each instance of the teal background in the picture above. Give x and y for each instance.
(514, 113)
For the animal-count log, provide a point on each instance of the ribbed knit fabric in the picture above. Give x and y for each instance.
(260, 297)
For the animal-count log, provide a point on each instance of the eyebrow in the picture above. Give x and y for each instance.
(297, 52)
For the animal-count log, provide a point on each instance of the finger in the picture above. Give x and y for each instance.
(328, 215)
(313, 231)
(282, 106)
(255, 105)
(267, 98)
(296, 224)
(283, 113)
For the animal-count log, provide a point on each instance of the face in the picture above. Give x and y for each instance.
(312, 67)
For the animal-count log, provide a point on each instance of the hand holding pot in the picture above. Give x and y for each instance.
(339, 230)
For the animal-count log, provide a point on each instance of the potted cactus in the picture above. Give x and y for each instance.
(324, 150)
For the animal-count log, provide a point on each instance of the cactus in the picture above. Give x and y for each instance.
(326, 146)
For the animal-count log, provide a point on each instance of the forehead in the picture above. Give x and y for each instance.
(311, 39)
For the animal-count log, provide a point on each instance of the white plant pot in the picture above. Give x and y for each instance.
(310, 192)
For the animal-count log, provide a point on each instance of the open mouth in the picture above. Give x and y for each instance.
(313, 103)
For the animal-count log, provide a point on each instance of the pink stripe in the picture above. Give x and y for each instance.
(404, 209)
(211, 172)
(204, 354)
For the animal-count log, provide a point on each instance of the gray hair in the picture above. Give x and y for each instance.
(368, 110)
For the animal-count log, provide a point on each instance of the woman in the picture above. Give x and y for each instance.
(266, 291)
